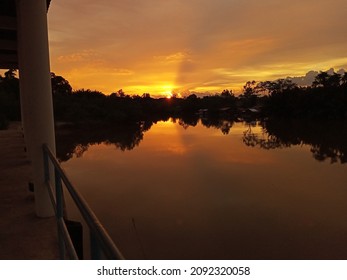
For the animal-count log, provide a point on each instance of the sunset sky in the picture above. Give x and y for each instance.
(184, 46)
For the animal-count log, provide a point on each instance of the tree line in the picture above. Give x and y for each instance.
(325, 98)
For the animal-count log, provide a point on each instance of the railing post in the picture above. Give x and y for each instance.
(101, 244)
(95, 252)
(46, 165)
(60, 210)
(59, 194)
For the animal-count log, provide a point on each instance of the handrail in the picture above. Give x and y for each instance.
(101, 243)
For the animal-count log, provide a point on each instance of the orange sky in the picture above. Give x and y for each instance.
(161, 46)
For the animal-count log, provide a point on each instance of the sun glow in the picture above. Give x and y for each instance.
(167, 91)
(189, 54)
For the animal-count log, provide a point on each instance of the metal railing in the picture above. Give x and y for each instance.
(101, 245)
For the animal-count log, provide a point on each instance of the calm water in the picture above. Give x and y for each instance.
(227, 191)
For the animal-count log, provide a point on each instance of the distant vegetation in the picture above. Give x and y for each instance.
(289, 114)
(326, 98)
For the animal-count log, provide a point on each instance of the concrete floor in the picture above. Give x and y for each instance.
(23, 236)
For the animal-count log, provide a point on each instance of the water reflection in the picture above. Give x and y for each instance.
(76, 139)
(327, 140)
(191, 192)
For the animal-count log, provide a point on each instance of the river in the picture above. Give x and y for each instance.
(215, 190)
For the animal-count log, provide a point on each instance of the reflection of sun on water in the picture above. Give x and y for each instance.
(171, 138)
(162, 126)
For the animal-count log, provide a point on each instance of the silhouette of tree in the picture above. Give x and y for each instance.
(146, 95)
(281, 98)
(192, 96)
(10, 74)
(9, 98)
(344, 80)
(275, 87)
(249, 88)
(249, 96)
(120, 93)
(325, 80)
(227, 93)
(321, 79)
(264, 87)
(60, 86)
(334, 80)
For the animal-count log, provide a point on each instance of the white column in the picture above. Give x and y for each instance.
(36, 92)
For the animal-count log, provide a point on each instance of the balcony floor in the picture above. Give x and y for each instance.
(23, 236)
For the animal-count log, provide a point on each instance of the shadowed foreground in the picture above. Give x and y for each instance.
(22, 234)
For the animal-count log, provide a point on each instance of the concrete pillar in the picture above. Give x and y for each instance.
(36, 92)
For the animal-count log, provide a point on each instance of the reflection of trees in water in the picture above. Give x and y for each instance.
(263, 140)
(328, 140)
(188, 120)
(223, 124)
(76, 140)
(321, 153)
